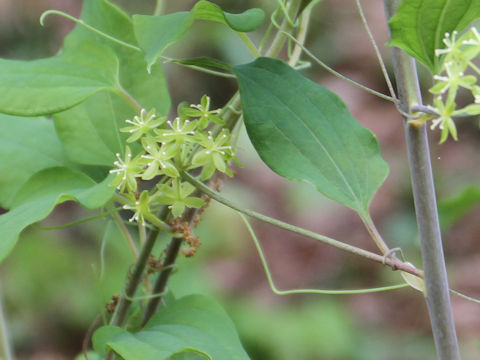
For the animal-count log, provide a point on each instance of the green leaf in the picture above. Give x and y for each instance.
(454, 208)
(419, 26)
(47, 86)
(91, 356)
(102, 336)
(187, 356)
(27, 145)
(304, 132)
(193, 323)
(39, 195)
(90, 132)
(156, 33)
(149, 89)
(205, 62)
(247, 21)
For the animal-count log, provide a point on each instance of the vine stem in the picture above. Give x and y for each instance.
(158, 7)
(436, 282)
(336, 73)
(306, 291)
(126, 234)
(87, 26)
(249, 44)
(390, 261)
(135, 278)
(376, 49)
(168, 266)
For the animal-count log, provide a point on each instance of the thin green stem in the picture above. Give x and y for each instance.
(145, 297)
(5, 347)
(126, 234)
(128, 98)
(78, 222)
(392, 262)
(103, 246)
(337, 74)
(286, 13)
(207, 71)
(307, 291)
(301, 36)
(375, 235)
(250, 45)
(285, 28)
(377, 50)
(436, 281)
(266, 36)
(89, 27)
(463, 296)
(158, 8)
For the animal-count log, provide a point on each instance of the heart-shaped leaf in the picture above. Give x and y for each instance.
(46, 86)
(149, 89)
(304, 132)
(156, 33)
(193, 324)
(39, 195)
(27, 145)
(90, 131)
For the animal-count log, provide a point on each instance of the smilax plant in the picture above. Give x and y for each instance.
(95, 128)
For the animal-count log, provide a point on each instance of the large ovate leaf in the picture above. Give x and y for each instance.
(156, 33)
(193, 324)
(90, 132)
(27, 145)
(46, 86)
(304, 132)
(150, 90)
(39, 195)
(419, 26)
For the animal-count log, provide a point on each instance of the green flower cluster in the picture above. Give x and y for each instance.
(456, 59)
(168, 148)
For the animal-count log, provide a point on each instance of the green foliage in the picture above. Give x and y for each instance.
(39, 195)
(46, 86)
(304, 132)
(419, 26)
(205, 62)
(156, 33)
(192, 323)
(19, 139)
(107, 72)
(149, 89)
(90, 132)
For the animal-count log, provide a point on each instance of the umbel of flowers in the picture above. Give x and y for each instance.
(457, 70)
(163, 150)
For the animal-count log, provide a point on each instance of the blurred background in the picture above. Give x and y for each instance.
(54, 284)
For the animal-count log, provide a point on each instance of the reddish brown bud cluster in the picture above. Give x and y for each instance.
(112, 304)
(189, 237)
(153, 265)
